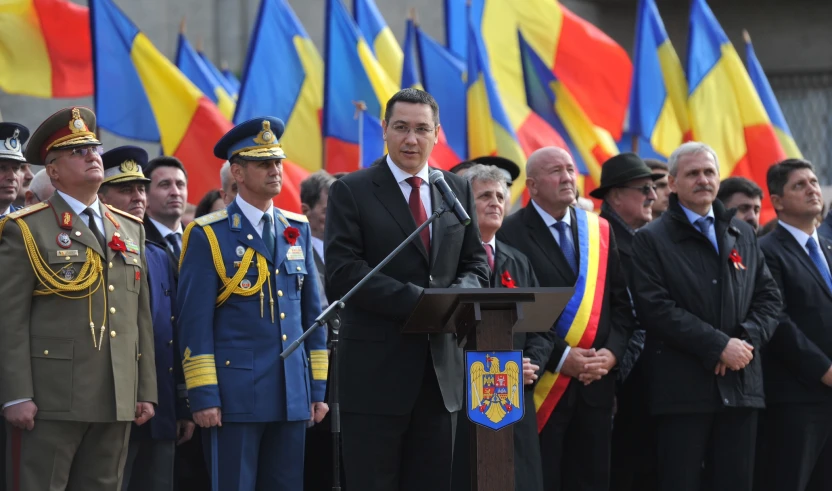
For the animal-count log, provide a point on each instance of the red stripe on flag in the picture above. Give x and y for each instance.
(763, 151)
(551, 400)
(196, 149)
(535, 133)
(340, 156)
(66, 31)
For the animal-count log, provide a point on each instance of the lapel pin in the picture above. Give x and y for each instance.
(77, 233)
(249, 237)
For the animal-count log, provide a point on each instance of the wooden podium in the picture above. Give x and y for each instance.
(485, 319)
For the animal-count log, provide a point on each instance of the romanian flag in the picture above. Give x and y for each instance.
(45, 48)
(443, 76)
(352, 75)
(283, 77)
(380, 39)
(554, 102)
(531, 131)
(758, 78)
(489, 129)
(588, 62)
(456, 27)
(220, 78)
(658, 100)
(725, 110)
(192, 66)
(232, 80)
(442, 156)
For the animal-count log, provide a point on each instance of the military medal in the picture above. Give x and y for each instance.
(68, 273)
(63, 240)
(245, 284)
(295, 253)
(131, 246)
(240, 251)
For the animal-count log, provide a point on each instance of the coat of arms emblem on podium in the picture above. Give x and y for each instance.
(494, 387)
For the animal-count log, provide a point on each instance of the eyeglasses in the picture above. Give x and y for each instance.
(645, 190)
(421, 131)
(83, 152)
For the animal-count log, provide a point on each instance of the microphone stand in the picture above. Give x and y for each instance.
(331, 315)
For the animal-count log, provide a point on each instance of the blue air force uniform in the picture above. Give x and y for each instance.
(240, 306)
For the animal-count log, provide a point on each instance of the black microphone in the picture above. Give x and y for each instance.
(437, 179)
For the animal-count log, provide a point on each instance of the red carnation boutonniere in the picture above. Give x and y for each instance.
(507, 280)
(736, 259)
(291, 235)
(117, 244)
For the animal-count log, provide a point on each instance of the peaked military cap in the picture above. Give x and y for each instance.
(255, 139)
(70, 127)
(506, 166)
(12, 138)
(124, 164)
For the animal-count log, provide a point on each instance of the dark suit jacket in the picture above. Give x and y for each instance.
(800, 351)
(526, 231)
(153, 235)
(321, 267)
(380, 370)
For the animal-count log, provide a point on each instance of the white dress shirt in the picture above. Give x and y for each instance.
(165, 231)
(424, 190)
(550, 222)
(255, 215)
(802, 237)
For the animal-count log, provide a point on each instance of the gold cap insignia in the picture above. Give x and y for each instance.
(266, 136)
(77, 124)
(129, 166)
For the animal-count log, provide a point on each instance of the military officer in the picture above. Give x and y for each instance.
(76, 347)
(150, 455)
(12, 138)
(248, 288)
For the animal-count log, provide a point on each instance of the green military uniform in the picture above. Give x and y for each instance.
(77, 337)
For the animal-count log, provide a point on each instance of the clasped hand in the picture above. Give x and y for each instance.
(736, 356)
(588, 365)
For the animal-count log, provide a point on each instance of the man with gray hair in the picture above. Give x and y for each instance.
(228, 189)
(491, 193)
(40, 189)
(708, 303)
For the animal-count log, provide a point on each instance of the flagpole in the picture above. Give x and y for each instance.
(360, 107)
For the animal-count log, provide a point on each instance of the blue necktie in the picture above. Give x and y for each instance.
(566, 245)
(268, 234)
(704, 226)
(814, 253)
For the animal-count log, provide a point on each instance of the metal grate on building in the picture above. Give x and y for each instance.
(806, 101)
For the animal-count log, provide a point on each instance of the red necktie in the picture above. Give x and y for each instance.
(490, 253)
(418, 210)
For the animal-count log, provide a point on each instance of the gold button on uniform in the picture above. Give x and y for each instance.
(111, 265)
(112, 334)
(282, 315)
(249, 236)
(170, 370)
(170, 342)
(112, 310)
(298, 268)
(46, 351)
(111, 288)
(280, 293)
(284, 337)
(227, 362)
(171, 318)
(277, 271)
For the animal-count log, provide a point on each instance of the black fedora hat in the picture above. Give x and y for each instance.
(620, 170)
(509, 168)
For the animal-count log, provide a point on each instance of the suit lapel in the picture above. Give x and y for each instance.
(390, 195)
(80, 232)
(500, 259)
(791, 244)
(439, 225)
(248, 235)
(110, 229)
(282, 247)
(726, 237)
(542, 236)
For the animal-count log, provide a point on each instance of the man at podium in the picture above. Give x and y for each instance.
(399, 393)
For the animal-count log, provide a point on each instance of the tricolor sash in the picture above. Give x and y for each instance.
(578, 323)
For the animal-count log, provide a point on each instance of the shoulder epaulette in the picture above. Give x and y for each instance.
(212, 218)
(28, 210)
(124, 213)
(294, 216)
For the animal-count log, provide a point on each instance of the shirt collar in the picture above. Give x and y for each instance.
(401, 175)
(549, 220)
(165, 231)
(492, 243)
(79, 207)
(693, 216)
(6, 212)
(800, 236)
(253, 214)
